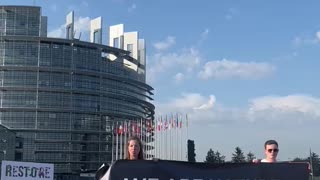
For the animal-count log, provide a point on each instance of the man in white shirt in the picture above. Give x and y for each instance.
(271, 150)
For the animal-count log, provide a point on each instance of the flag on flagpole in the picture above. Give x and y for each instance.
(112, 143)
(121, 139)
(177, 122)
(117, 142)
(166, 124)
(158, 125)
(186, 120)
(311, 164)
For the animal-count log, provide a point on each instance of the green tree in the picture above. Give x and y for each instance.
(250, 157)
(191, 151)
(220, 158)
(214, 157)
(237, 156)
(210, 158)
(300, 159)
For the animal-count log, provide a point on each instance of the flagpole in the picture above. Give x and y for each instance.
(141, 129)
(117, 140)
(181, 141)
(177, 138)
(155, 138)
(145, 137)
(187, 128)
(181, 135)
(171, 154)
(150, 142)
(161, 138)
(154, 126)
(311, 165)
(141, 136)
(112, 143)
(125, 129)
(168, 149)
(121, 140)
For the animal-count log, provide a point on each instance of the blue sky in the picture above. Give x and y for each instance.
(244, 71)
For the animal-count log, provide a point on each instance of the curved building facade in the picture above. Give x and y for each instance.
(62, 95)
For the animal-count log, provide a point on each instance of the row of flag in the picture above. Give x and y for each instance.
(159, 136)
(134, 127)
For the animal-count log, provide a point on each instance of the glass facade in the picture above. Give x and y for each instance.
(7, 144)
(60, 96)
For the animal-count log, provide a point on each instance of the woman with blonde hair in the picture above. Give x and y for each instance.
(135, 152)
(135, 148)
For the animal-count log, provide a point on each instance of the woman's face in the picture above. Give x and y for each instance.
(133, 149)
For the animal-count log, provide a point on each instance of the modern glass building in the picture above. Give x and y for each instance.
(60, 96)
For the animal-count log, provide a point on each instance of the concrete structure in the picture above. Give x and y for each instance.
(96, 30)
(61, 96)
(142, 58)
(129, 41)
(116, 36)
(70, 25)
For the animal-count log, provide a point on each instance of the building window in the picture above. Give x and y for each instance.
(130, 48)
(69, 32)
(96, 37)
(116, 42)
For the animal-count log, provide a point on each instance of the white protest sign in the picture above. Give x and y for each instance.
(15, 170)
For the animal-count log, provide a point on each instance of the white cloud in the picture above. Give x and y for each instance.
(300, 41)
(201, 109)
(207, 105)
(82, 24)
(203, 37)
(132, 7)
(188, 62)
(58, 32)
(226, 69)
(188, 102)
(318, 35)
(288, 111)
(167, 43)
(285, 108)
(306, 40)
(185, 61)
(179, 77)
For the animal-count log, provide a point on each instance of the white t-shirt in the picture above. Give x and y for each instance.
(265, 160)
